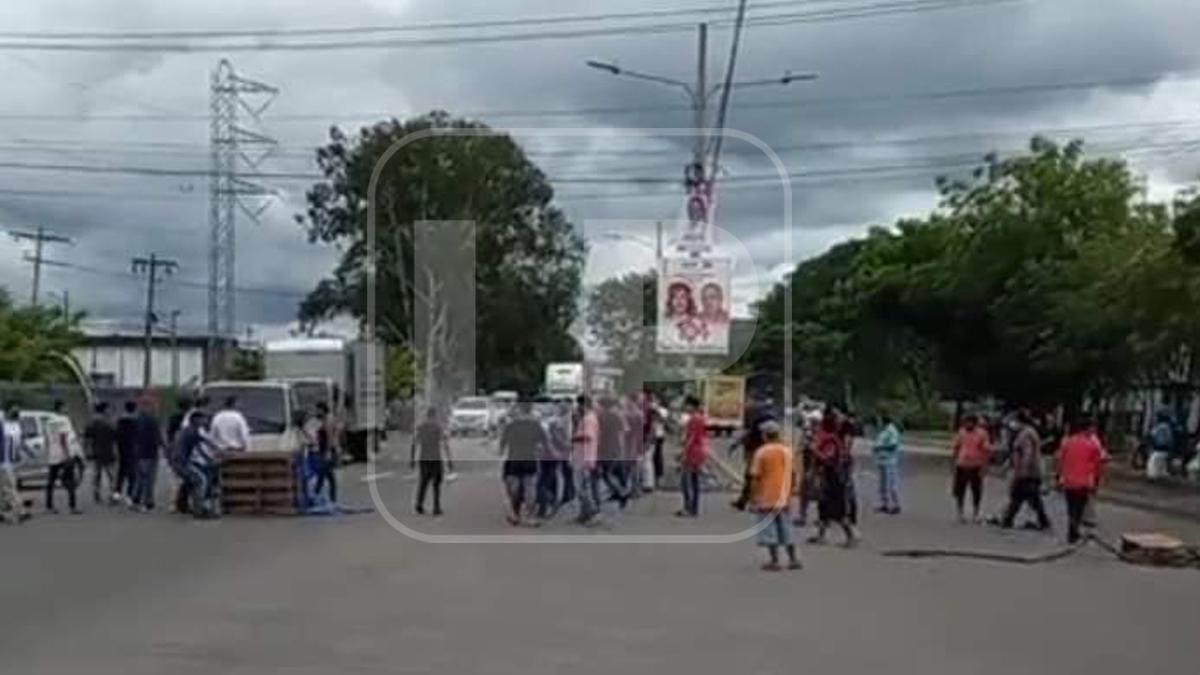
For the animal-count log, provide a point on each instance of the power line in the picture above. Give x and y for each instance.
(859, 12)
(186, 283)
(153, 171)
(824, 102)
(856, 172)
(197, 149)
(413, 27)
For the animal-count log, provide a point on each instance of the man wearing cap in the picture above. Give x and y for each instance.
(772, 476)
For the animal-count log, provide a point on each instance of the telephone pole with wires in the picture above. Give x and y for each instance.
(39, 238)
(700, 172)
(151, 267)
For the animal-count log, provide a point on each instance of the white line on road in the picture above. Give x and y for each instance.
(377, 476)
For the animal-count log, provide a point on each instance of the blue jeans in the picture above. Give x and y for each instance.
(547, 487)
(588, 492)
(147, 474)
(689, 485)
(200, 484)
(776, 530)
(889, 486)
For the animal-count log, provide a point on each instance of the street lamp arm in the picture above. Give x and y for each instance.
(614, 69)
(787, 78)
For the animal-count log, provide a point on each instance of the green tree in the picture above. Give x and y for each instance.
(246, 365)
(34, 341)
(1043, 279)
(528, 257)
(620, 317)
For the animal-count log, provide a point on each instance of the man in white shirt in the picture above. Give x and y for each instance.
(12, 509)
(229, 430)
(62, 452)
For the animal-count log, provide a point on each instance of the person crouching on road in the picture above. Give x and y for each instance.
(772, 475)
(522, 442)
(887, 461)
(1079, 463)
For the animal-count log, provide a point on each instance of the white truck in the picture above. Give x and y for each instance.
(346, 375)
(565, 380)
(270, 408)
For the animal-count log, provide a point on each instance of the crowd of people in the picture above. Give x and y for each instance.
(123, 454)
(592, 453)
(587, 454)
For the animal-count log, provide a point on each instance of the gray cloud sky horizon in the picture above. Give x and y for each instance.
(883, 99)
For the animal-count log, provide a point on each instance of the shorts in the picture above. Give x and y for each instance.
(776, 528)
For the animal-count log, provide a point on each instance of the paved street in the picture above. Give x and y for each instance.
(112, 592)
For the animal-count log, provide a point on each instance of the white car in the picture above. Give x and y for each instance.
(472, 415)
(36, 427)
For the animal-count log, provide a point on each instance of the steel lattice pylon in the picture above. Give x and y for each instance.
(236, 152)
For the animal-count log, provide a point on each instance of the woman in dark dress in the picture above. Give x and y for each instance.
(831, 456)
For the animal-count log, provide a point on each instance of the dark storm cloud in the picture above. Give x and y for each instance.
(854, 119)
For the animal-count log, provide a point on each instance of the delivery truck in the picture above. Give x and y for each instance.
(346, 375)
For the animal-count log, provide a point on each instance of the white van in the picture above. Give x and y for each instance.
(271, 410)
(36, 427)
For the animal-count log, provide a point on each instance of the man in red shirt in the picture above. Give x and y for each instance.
(971, 451)
(1080, 459)
(695, 453)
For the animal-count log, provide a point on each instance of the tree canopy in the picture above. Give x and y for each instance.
(528, 257)
(1043, 279)
(33, 341)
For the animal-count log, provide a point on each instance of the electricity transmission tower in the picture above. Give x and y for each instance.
(236, 151)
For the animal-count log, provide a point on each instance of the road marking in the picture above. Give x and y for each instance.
(377, 476)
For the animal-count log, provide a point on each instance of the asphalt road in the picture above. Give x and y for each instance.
(113, 592)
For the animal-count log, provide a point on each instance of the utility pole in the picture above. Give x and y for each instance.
(64, 299)
(150, 267)
(701, 141)
(39, 238)
(175, 348)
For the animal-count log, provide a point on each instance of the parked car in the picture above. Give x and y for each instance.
(472, 415)
(36, 426)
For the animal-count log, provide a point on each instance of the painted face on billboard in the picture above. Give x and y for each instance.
(679, 300)
(712, 302)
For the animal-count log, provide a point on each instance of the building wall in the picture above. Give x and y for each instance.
(121, 366)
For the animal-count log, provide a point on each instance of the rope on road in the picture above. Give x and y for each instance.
(1189, 557)
(984, 555)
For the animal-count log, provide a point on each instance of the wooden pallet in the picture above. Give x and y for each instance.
(259, 484)
(1159, 550)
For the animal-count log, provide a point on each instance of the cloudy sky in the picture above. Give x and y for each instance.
(907, 90)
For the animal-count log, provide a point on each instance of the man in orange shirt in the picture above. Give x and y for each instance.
(1080, 459)
(772, 477)
(971, 452)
